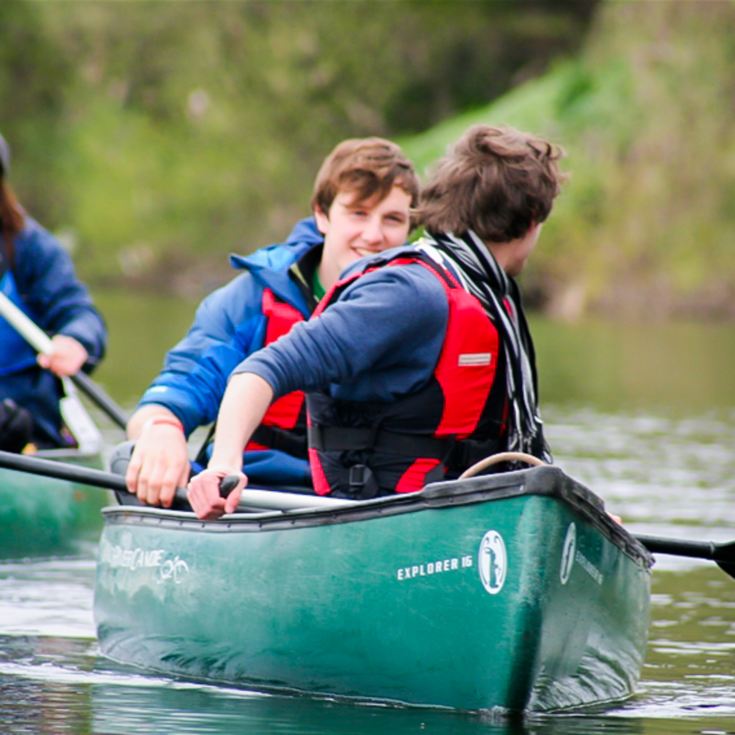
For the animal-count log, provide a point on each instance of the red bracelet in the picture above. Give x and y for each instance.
(165, 420)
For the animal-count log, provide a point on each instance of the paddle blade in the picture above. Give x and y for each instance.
(725, 558)
(722, 554)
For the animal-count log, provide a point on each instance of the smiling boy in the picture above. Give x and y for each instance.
(362, 199)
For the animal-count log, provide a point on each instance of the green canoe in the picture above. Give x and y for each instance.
(45, 516)
(512, 591)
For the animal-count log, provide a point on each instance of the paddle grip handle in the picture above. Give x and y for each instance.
(227, 484)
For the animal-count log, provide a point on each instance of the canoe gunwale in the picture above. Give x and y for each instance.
(547, 481)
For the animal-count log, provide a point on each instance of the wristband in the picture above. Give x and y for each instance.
(166, 421)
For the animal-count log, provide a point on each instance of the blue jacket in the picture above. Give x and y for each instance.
(229, 325)
(43, 283)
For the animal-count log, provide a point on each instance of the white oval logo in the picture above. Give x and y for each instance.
(492, 561)
(567, 554)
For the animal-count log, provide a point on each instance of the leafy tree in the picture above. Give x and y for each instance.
(162, 135)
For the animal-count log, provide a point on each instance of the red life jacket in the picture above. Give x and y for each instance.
(359, 449)
(284, 424)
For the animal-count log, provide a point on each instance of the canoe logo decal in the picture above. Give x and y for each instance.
(492, 562)
(567, 554)
(175, 569)
(168, 568)
(431, 568)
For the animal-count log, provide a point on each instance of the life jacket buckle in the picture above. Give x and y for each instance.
(357, 479)
(361, 483)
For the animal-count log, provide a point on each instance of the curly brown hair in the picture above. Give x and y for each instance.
(496, 181)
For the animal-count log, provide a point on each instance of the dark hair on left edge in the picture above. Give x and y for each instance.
(12, 217)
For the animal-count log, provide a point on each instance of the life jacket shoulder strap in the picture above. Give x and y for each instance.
(280, 316)
(283, 426)
(405, 256)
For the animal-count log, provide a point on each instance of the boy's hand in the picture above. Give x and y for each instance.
(159, 464)
(204, 493)
(66, 358)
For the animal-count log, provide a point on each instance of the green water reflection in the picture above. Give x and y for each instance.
(142, 328)
(674, 368)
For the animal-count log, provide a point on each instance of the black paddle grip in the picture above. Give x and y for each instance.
(227, 484)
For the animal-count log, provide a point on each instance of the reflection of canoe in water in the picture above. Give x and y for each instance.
(513, 591)
(46, 516)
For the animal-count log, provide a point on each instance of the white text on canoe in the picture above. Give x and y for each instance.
(430, 568)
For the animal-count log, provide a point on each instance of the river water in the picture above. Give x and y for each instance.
(644, 416)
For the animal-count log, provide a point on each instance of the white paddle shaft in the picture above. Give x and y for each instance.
(73, 413)
(32, 334)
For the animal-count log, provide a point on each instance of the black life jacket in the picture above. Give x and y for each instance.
(364, 449)
(284, 424)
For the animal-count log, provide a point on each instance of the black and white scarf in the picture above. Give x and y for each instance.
(480, 275)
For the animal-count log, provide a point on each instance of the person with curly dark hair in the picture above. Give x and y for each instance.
(362, 202)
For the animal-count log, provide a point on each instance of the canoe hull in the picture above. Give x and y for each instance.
(510, 592)
(47, 516)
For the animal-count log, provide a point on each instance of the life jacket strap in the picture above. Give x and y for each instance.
(348, 438)
(456, 455)
(469, 451)
(291, 441)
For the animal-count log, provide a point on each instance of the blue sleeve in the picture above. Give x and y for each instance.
(228, 326)
(380, 340)
(57, 300)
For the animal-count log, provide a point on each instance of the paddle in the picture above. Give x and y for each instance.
(722, 554)
(40, 342)
(252, 497)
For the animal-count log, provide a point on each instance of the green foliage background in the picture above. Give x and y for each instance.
(162, 135)
(645, 225)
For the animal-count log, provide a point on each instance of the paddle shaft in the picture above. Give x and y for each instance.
(41, 342)
(252, 498)
(674, 547)
(62, 471)
(722, 554)
(100, 398)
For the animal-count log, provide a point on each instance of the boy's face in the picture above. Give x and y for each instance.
(353, 229)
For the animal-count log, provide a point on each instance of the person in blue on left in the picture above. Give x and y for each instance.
(37, 276)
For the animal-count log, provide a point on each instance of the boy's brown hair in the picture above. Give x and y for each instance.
(369, 167)
(495, 181)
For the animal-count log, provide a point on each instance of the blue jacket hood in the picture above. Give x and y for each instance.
(303, 237)
(269, 265)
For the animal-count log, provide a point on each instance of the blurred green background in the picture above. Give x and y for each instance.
(156, 137)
